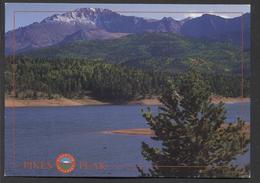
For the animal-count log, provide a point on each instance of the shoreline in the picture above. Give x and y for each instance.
(149, 132)
(63, 102)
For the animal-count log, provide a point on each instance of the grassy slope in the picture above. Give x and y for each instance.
(161, 51)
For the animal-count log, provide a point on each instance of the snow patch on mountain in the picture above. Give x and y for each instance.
(79, 16)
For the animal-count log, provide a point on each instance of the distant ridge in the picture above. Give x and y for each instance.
(153, 51)
(97, 23)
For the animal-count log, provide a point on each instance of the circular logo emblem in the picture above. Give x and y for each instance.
(65, 163)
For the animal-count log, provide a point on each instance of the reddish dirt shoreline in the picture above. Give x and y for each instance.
(11, 102)
(149, 132)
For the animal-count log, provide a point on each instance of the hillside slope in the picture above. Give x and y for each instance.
(157, 51)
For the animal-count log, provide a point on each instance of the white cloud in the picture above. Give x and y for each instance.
(224, 14)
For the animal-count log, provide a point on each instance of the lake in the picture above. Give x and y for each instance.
(42, 133)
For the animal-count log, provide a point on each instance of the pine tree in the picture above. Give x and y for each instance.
(196, 141)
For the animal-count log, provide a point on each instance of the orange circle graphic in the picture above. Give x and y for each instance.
(65, 163)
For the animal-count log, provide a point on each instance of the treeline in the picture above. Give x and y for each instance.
(41, 78)
(160, 51)
(229, 85)
(78, 78)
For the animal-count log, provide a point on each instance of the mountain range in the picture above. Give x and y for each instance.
(103, 24)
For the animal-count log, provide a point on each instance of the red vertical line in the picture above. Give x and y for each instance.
(242, 70)
(242, 56)
(14, 91)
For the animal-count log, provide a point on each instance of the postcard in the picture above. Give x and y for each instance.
(127, 90)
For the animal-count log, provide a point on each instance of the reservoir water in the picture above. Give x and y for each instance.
(40, 134)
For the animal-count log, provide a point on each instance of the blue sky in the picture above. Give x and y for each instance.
(26, 18)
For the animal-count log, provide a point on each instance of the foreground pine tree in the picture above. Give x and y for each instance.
(196, 140)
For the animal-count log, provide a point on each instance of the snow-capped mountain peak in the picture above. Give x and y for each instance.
(78, 16)
(97, 23)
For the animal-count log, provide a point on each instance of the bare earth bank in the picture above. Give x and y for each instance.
(12, 102)
(149, 132)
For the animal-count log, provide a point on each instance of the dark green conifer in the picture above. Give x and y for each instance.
(196, 141)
